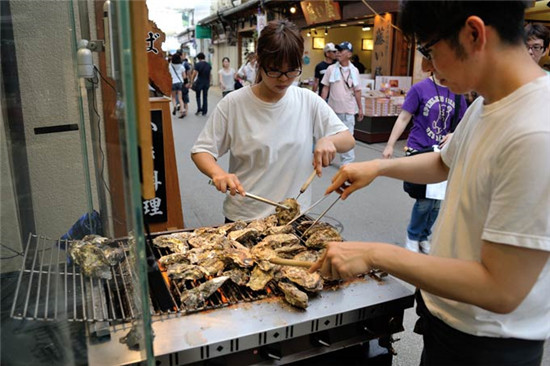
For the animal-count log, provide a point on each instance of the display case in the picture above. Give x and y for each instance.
(70, 166)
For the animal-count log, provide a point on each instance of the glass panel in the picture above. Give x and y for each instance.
(69, 168)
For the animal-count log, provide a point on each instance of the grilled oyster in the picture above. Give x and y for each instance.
(259, 279)
(176, 242)
(247, 237)
(238, 276)
(282, 229)
(185, 271)
(212, 265)
(91, 259)
(293, 295)
(304, 227)
(232, 226)
(320, 236)
(309, 281)
(240, 255)
(196, 298)
(207, 239)
(279, 240)
(308, 256)
(285, 216)
(166, 260)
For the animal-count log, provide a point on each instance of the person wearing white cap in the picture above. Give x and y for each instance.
(321, 68)
(341, 80)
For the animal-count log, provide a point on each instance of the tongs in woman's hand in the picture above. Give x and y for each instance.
(320, 216)
(307, 183)
(258, 198)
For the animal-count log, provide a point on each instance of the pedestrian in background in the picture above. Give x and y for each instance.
(537, 40)
(321, 68)
(341, 87)
(227, 77)
(247, 72)
(177, 72)
(435, 111)
(202, 76)
(484, 288)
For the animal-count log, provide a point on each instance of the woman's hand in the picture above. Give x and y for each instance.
(228, 182)
(388, 152)
(323, 154)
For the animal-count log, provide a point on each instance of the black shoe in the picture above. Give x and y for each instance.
(198, 112)
(204, 113)
(174, 111)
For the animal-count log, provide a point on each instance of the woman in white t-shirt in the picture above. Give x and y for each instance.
(269, 129)
(227, 77)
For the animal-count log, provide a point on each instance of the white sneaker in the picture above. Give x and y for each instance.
(425, 246)
(411, 245)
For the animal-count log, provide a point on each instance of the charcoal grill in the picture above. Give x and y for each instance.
(237, 326)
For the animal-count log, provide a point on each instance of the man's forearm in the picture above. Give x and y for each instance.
(422, 168)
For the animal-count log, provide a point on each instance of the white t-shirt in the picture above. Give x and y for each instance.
(270, 145)
(498, 190)
(248, 72)
(228, 78)
(176, 71)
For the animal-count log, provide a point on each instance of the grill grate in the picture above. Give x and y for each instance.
(228, 294)
(51, 288)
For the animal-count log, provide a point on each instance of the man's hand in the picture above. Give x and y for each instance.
(343, 260)
(357, 175)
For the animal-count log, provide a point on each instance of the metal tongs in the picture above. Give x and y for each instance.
(321, 215)
(258, 198)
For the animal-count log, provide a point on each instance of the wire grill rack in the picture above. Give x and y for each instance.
(51, 287)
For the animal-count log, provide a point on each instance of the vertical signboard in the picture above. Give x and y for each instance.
(382, 52)
(155, 209)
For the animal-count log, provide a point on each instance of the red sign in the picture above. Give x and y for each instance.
(320, 11)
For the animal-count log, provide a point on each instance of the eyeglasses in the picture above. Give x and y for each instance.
(277, 74)
(535, 47)
(425, 50)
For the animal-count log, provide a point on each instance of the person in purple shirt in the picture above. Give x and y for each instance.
(433, 110)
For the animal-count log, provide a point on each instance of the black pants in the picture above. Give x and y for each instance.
(202, 89)
(444, 345)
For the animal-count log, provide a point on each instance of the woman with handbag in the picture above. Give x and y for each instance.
(434, 111)
(177, 71)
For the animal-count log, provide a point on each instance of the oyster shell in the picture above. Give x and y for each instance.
(247, 237)
(176, 242)
(185, 271)
(319, 237)
(285, 216)
(259, 279)
(309, 281)
(196, 298)
(293, 295)
(238, 276)
(169, 259)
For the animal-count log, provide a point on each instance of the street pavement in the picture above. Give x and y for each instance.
(379, 212)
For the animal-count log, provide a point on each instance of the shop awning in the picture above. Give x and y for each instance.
(227, 12)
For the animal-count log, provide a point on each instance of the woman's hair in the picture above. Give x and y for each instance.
(176, 58)
(537, 30)
(225, 58)
(280, 42)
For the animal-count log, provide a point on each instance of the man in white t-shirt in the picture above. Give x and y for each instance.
(485, 285)
(341, 86)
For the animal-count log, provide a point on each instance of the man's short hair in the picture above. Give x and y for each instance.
(428, 20)
(201, 56)
(538, 30)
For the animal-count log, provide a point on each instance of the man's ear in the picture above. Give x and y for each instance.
(475, 32)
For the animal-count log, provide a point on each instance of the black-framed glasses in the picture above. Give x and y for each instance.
(535, 47)
(277, 74)
(425, 50)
